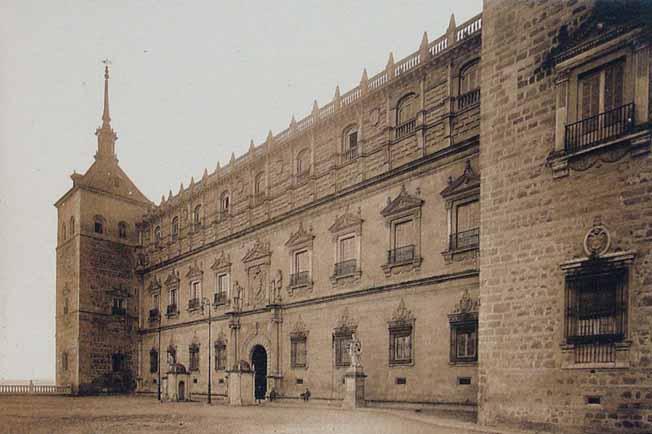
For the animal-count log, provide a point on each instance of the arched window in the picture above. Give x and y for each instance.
(157, 234)
(303, 164)
(99, 224)
(72, 225)
(350, 143)
(225, 203)
(406, 109)
(122, 230)
(196, 217)
(175, 228)
(469, 77)
(63, 232)
(259, 184)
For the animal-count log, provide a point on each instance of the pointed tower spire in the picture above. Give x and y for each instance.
(337, 98)
(423, 48)
(390, 66)
(364, 82)
(106, 137)
(450, 32)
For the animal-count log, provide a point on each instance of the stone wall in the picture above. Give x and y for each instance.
(532, 223)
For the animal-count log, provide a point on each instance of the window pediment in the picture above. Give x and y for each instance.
(402, 316)
(466, 183)
(120, 291)
(154, 285)
(194, 272)
(301, 237)
(172, 279)
(345, 324)
(221, 263)
(259, 250)
(346, 221)
(299, 329)
(403, 202)
(466, 309)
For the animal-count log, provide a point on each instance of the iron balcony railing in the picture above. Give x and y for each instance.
(171, 309)
(401, 254)
(599, 128)
(469, 98)
(406, 128)
(300, 278)
(345, 267)
(465, 239)
(194, 303)
(120, 311)
(219, 298)
(154, 315)
(351, 154)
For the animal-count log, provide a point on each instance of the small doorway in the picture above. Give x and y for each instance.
(182, 391)
(259, 362)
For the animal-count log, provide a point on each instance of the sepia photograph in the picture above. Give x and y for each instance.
(326, 217)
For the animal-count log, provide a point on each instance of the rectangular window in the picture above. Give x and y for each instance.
(466, 226)
(153, 361)
(195, 290)
(220, 356)
(173, 297)
(194, 358)
(117, 362)
(298, 351)
(64, 361)
(223, 283)
(400, 345)
(596, 313)
(301, 261)
(403, 234)
(341, 342)
(347, 248)
(464, 342)
(119, 306)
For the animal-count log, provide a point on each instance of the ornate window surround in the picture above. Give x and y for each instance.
(401, 325)
(220, 346)
(300, 241)
(589, 55)
(172, 283)
(347, 225)
(222, 266)
(194, 275)
(597, 243)
(460, 191)
(258, 258)
(463, 318)
(403, 208)
(298, 334)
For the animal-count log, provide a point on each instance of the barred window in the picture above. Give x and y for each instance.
(400, 345)
(298, 353)
(153, 361)
(341, 341)
(596, 312)
(464, 342)
(64, 361)
(220, 356)
(122, 230)
(194, 357)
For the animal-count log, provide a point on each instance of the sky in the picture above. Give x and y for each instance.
(191, 82)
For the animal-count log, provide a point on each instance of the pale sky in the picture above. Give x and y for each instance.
(191, 82)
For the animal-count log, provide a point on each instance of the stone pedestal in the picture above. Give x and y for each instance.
(241, 385)
(354, 380)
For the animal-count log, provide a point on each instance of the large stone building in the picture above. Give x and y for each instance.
(492, 253)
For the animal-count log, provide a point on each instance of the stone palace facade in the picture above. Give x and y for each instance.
(478, 214)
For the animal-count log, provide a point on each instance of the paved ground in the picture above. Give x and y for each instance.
(139, 415)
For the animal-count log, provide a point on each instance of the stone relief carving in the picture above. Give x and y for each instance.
(597, 240)
(276, 285)
(355, 351)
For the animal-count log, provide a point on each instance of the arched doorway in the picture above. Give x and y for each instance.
(259, 363)
(182, 391)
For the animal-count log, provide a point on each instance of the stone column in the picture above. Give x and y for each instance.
(275, 374)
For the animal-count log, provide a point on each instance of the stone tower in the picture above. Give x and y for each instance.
(97, 296)
(565, 274)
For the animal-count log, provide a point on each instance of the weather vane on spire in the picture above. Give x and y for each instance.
(106, 63)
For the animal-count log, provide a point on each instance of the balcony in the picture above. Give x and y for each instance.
(172, 310)
(406, 128)
(301, 278)
(465, 240)
(350, 154)
(468, 99)
(345, 268)
(154, 315)
(118, 311)
(401, 255)
(194, 303)
(600, 128)
(219, 298)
